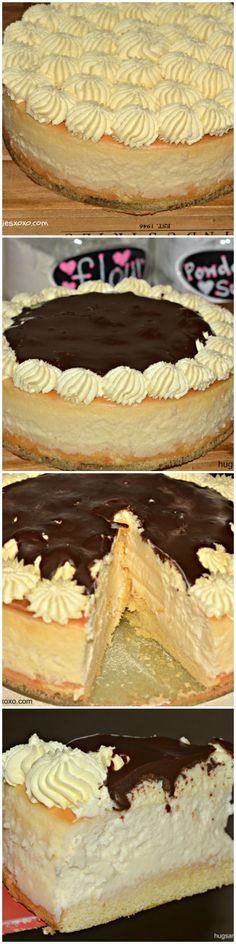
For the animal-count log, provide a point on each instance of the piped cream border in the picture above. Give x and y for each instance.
(212, 361)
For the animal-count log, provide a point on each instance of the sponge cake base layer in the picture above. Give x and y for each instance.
(148, 894)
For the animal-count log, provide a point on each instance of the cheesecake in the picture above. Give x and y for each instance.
(129, 377)
(81, 550)
(127, 106)
(112, 825)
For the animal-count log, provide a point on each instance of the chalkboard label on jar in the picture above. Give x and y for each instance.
(109, 265)
(210, 273)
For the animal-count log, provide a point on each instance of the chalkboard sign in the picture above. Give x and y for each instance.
(110, 265)
(210, 274)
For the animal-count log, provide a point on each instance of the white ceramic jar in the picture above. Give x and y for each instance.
(203, 265)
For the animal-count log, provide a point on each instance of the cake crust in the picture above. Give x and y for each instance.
(26, 449)
(181, 883)
(43, 693)
(18, 895)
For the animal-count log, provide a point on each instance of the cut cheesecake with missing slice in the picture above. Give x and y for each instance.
(76, 817)
(79, 550)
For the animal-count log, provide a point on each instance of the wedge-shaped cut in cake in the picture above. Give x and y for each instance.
(79, 550)
(75, 818)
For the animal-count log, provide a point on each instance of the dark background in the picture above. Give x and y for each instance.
(62, 724)
(13, 12)
(199, 918)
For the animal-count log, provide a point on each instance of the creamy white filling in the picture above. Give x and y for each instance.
(60, 664)
(141, 430)
(182, 626)
(98, 858)
(153, 840)
(118, 171)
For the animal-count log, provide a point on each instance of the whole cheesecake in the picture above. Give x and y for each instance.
(80, 550)
(124, 377)
(129, 105)
(111, 825)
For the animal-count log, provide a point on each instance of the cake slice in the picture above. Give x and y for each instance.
(79, 550)
(113, 825)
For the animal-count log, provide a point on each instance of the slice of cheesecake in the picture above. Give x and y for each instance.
(113, 825)
(79, 550)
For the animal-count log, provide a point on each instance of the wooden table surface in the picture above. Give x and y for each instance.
(29, 209)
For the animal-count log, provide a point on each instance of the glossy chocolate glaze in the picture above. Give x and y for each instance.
(69, 517)
(150, 759)
(100, 332)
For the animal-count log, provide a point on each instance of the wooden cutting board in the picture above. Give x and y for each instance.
(218, 460)
(31, 210)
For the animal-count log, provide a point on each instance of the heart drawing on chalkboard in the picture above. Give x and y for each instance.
(122, 257)
(68, 267)
(69, 284)
(206, 287)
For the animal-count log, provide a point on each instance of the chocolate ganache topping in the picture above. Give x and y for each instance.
(67, 517)
(100, 332)
(146, 759)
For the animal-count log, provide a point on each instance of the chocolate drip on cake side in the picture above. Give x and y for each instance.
(100, 332)
(146, 759)
(67, 517)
